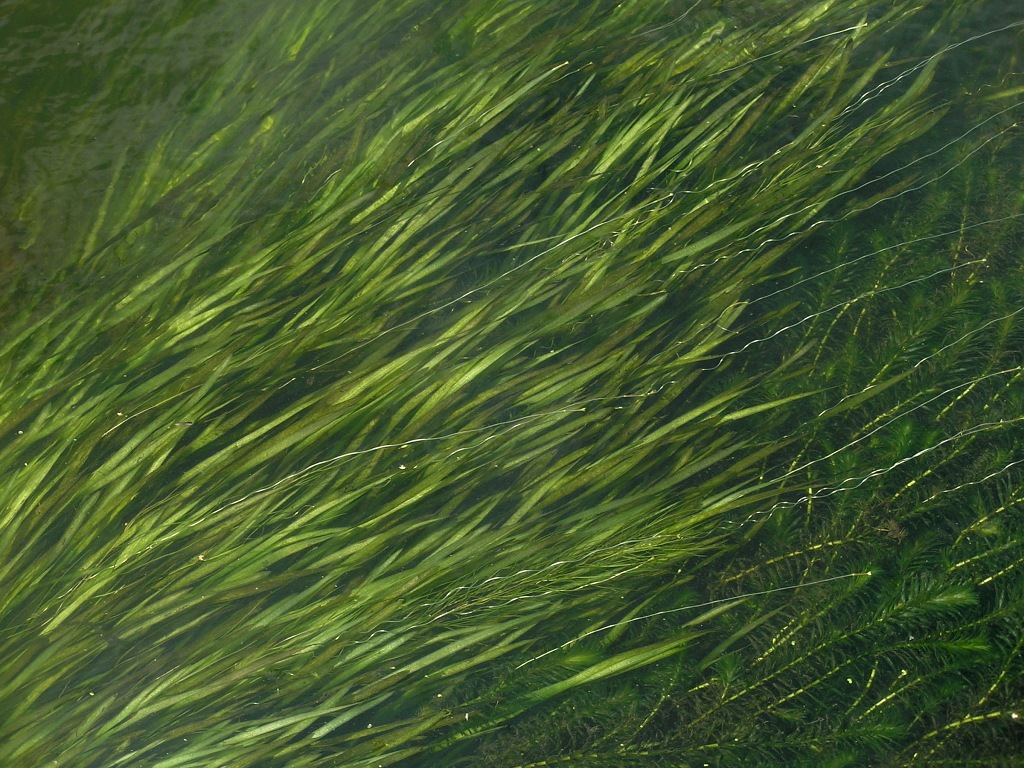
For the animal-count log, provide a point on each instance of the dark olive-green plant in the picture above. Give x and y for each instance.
(519, 384)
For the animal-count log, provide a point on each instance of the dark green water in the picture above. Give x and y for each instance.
(511, 385)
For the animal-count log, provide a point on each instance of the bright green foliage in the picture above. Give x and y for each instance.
(522, 384)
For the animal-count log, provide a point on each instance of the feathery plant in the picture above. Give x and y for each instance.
(611, 383)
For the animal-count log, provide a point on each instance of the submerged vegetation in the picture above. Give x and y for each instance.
(523, 384)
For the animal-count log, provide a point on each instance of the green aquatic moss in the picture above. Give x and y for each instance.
(600, 384)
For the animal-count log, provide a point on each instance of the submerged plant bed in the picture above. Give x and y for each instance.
(519, 384)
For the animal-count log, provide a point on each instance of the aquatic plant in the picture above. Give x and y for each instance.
(609, 383)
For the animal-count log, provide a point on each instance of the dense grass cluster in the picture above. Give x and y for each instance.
(520, 384)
